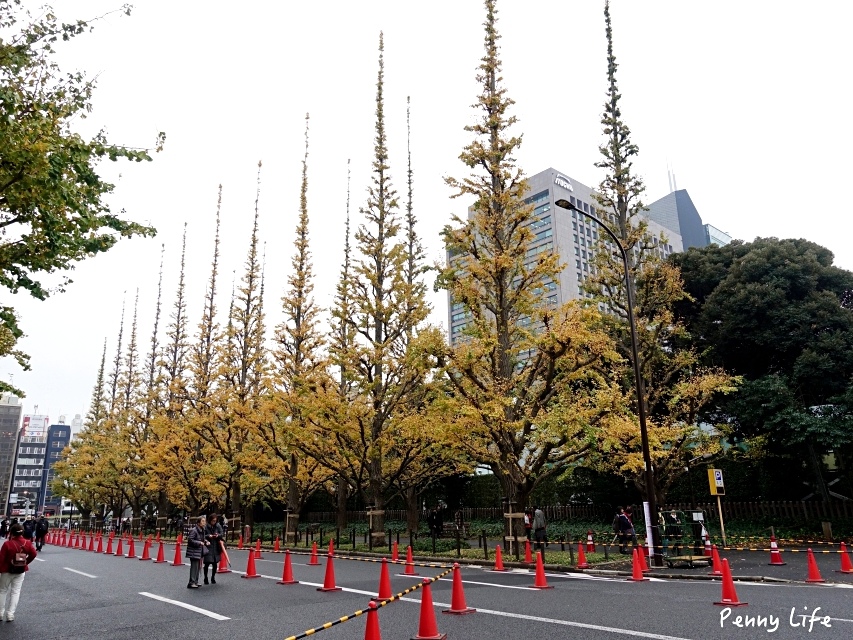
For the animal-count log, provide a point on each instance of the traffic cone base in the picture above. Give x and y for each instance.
(287, 573)
(846, 565)
(814, 573)
(729, 598)
(329, 580)
(541, 581)
(499, 561)
(458, 605)
(427, 627)
(637, 568)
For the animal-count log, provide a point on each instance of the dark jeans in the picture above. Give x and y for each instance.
(194, 566)
(39, 542)
(210, 564)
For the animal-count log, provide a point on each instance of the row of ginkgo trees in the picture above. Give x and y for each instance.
(379, 405)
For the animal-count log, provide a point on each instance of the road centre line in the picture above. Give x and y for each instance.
(41, 559)
(178, 603)
(88, 575)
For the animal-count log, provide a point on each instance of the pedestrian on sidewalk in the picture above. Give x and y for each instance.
(624, 529)
(16, 554)
(539, 533)
(213, 534)
(196, 550)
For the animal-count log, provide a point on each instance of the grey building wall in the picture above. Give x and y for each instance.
(676, 212)
(10, 426)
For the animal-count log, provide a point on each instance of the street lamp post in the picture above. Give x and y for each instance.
(651, 503)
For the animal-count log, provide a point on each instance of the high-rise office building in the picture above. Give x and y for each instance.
(25, 494)
(676, 212)
(58, 437)
(10, 424)
(572, 236)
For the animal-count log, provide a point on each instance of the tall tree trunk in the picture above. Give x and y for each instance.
(292, 518)
(343, 489)
(412, 511)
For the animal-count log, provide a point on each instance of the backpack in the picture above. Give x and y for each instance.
(616, 524)
(42, 526)
(18, 562)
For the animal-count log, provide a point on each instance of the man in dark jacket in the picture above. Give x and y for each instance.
(624, 529)
(196, 549)
(213, 534)
(29, 528)
(42, 527)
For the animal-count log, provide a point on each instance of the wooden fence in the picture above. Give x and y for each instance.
(796, 510)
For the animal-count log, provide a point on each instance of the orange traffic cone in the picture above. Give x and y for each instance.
(250, 567)
(729, 598)
(329, 580)
(314, 559)
(161, 554)
(109, 550)
(641, 554)
(582, 563)
(528, 556)
(499, 560)
(541, 582)
(276, 547)
(146, 550)
(846, 565)
(775, 556)
(371, 629)
(82, 541)
(92, 542)
(395, 552)
(181, 538)
(708, 546)
(427, 627)
(410, 565)
(119, 551)
(258, 549)
(287, 573)
(225, 561)
(240, 542)
(637, 569)
(331, 546)
(157, 539)
(457, 598)
(131, 551)
(590, 545)
(140, 535)
(715, 561)
(177, 562)
(384, 582)
(814, 573)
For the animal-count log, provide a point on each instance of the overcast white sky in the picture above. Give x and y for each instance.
(742, 99)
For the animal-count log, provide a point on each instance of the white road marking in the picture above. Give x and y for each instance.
(177, 603)
(41, 559)
(88, 575)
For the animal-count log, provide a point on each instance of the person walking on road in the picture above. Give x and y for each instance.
(29, 528)
(4, 527)
(42, 527)
(15, 556)
(213, 534)
(624, 529)
(539, 533)
(196, 549)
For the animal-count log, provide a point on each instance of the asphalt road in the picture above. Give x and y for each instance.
(76, 594)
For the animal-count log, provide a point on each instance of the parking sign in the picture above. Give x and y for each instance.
(715, 482)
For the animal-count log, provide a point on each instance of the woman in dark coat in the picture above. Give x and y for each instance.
(213, 534)
(196, 549)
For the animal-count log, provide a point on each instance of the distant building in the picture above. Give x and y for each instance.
(10, 424)
(715, 236)
(676, 212)
(25, 494)
(58, 437)
(570, 235)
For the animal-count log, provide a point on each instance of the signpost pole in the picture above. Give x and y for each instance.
(722, 526)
